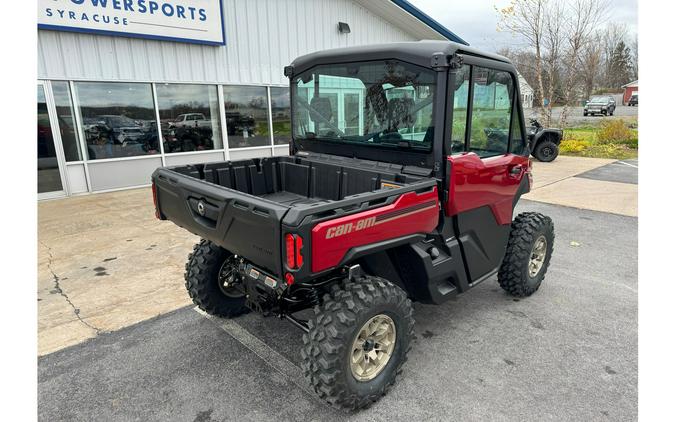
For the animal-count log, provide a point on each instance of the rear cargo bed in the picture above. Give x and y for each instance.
(242, 205)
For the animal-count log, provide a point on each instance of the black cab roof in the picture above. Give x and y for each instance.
(417, 52)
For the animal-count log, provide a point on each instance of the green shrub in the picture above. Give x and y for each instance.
(614, 131)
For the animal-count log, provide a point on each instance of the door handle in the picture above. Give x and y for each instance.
(515, 170)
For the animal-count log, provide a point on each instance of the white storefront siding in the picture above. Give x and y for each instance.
(262, 36)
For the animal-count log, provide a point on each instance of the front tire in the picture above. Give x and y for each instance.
(546, 151)
(358, 339)
(208, 267)
(528, 254)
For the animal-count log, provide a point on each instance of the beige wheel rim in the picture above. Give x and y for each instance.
(372, 348)
(537, 256)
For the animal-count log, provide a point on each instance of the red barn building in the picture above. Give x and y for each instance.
(628, 90)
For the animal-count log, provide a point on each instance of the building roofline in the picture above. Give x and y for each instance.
(429, 21)
(634, 83)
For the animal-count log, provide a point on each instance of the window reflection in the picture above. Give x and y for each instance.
(246, 116)
(188, 116)
(281, 115)
(491, 111)
(118, 119)
(65, 115)
(461, 102)
(49, 178)
(517, 138)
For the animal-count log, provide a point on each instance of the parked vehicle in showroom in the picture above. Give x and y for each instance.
(191, 120)
(633, 101)
(187, 138)
(415, 204)
(604, 105)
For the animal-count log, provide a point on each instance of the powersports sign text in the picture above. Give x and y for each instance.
(197, 21)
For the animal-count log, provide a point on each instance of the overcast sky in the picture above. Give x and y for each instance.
(476, 20)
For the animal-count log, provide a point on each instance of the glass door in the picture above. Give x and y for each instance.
(50, 177)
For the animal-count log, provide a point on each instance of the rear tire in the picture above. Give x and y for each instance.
(340, 344)
(517, 275)
(203, 273)
(546, 151)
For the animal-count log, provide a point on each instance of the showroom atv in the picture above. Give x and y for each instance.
(406, 163)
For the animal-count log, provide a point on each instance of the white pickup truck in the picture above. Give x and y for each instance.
(191, 120)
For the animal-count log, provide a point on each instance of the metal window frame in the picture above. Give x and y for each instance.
(56, 139)
(275, 146)
(223, 123)
(270, 123)
(75, 99)
(158, 122)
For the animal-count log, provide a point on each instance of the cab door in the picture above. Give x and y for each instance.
(488, 165)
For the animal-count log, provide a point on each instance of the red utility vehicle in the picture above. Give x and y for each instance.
(406, 163)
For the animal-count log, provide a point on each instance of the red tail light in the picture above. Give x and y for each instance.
(154, 200)
(298, 253)
(293, 251)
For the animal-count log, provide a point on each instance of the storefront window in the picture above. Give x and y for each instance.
(118, 119)
(66, 117)
(281, 115)
(246, 116)
(188, 116)
(48, 176)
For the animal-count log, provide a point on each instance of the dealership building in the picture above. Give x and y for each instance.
(126, 86)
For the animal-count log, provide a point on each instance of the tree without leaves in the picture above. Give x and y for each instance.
(592, 61)
(580, 25)
(634, 56)
(558, 34)
(526, 19)
(553, 24)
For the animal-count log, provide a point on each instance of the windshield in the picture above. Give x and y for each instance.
(385, 103)
(599, 100)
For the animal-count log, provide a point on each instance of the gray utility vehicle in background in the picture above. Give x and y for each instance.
(544, 143)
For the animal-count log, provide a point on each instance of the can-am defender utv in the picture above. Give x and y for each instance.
(406, 163)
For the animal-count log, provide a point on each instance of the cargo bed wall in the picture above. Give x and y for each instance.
(294, 180)
(244, 204)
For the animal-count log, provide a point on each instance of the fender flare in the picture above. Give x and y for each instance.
(554, 135)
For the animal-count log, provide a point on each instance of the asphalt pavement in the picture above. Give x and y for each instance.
(569, 352)
(622, 171)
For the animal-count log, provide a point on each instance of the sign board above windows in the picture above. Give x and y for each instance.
(191, 21)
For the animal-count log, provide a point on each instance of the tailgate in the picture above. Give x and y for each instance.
(243, 224)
